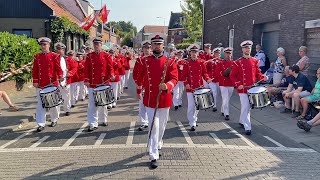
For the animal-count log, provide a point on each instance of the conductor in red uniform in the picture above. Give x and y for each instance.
(245, 73)
(150, 76)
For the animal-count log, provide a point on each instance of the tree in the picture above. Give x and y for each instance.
(125, 30)
(192, 9)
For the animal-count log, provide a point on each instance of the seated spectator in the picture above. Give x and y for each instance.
(303, 63)
(307, 125)
(279, 65)
(314, 97)
(302, 88)
(285, 84)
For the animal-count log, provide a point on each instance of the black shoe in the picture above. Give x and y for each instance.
(271, 105)
(40, 128)
(118, 98)
(53, 124)
(109, 107)
(90, 129)
(114, 106)
(295, 114)
(241, 125)
(214, 109)
(104, 124)
(142, 127)
(193, 128)
(82, 99)
(67, 113)
(300, 124)
(222, 114)
(180, 105)
(72, 106)
(248, 132)
(154, 164)
(307, 127)
(286, 110)
(176, 108)
(125, 87)
(227, 118)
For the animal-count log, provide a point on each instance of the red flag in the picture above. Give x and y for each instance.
(102, 16)
(88, 26)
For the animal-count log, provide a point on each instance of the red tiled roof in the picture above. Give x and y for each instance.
(155, 29)
(59, 11)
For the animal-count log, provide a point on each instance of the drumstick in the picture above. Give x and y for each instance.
(157, 102)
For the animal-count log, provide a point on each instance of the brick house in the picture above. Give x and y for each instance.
(272, 23)
(176, 32)
(146, 32)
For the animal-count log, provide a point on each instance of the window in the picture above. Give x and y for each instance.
(231, 37)
(21, 32)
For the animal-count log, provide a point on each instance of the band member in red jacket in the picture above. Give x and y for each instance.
(128, 58)
(146, 51)
(73, 80)
(245, 73)
(207, 52)
(179, 88)
(69, 69)
(225, 83)
(116, 63)
(149, 78)
(46, 71)
(195, 73)
(98, 70)
(122, 70)
(83, 88)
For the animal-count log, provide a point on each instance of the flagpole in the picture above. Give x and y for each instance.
(101, 23)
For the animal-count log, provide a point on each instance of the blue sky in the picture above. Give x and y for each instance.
(140, 12)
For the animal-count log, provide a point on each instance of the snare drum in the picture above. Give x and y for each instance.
(103, 95)
(258, 97)
(203, 98)
(51, 97)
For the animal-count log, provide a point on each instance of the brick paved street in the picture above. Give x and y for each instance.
(217, 150)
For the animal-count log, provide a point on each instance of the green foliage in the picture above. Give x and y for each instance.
(183, 45)
(193, 24)
(62, 25)
(17, 50)
(123, 27)
(127, 40)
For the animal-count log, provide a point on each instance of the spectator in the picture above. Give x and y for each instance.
(279, 65)
(262, 58)
(315, 96)
(6, 99)
(304, 62)
(285, 84)
(307, 125)
(302, 88)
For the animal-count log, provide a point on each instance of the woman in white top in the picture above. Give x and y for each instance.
(279, 66)
(303, 63)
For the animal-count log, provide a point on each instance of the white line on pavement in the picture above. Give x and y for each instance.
(66, 144)
(100, 139)
(239, 135)
(274, 141)
(17, 138)
(131, 132)
(215, 137)
(185, 133)
(39, 142)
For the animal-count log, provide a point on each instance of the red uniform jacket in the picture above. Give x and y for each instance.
(72, 66)
(122, 59)
(136, 70)
(81, 70)
(149, 77)
(195, 73)
(207, 56)
(211, 66)
(116, 63)
(127, 63)
(221, 67)
(46, 69)
(182, 66)
(245, 72)
(98, 69)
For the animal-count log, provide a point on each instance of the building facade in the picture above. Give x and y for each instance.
(271, 23)
(146, 34)
(176, 31)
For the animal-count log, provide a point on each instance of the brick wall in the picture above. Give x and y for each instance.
(294, 13)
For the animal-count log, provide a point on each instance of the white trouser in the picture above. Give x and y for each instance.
(127, 76)
(83, 90)
(114, 86)
(122, 81)
(41, 112)
(245, 111)
(143, 118)
(159, 126)
(226, 93)
(75, 89)
(65, 91)
(214, 88)
(177, 94)
(94, 112)
(192, 113)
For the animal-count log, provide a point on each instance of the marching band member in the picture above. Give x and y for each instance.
(195, 73)
(225, 83)
(146, 48)
(80, 72)
(97, 70)
(116, 63)
(245, 73)
(150, 77)
(128, 58)
(46, 71)
(211, 65)
(122, 70)
(179, 88)
(74, 79)
(69, 70)
(207, 52)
